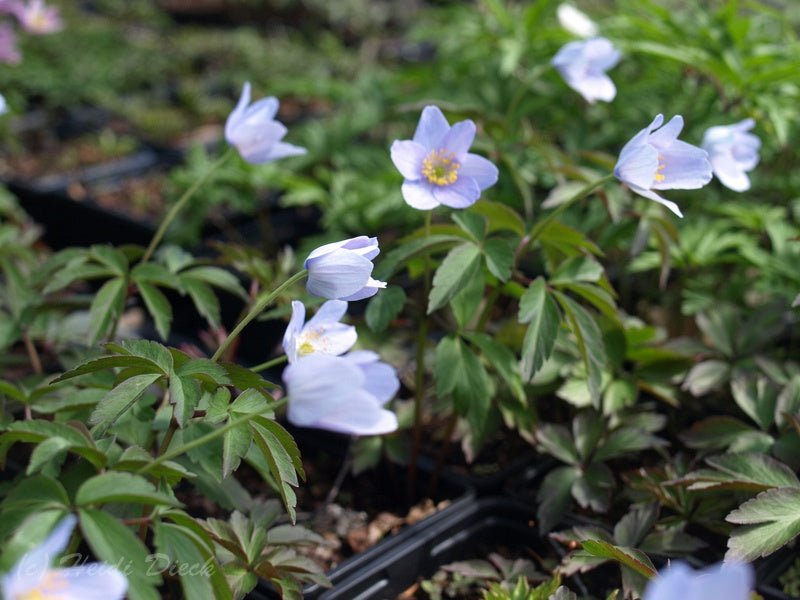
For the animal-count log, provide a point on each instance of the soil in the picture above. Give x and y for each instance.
(140, 197)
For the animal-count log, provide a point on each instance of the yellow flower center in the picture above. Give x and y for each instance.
(310, 341)
(50, 588)
(305, 348)
(661, 166)
(440, 167)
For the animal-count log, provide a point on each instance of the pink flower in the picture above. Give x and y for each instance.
(36, 17)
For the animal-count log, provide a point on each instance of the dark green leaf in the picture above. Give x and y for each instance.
(106, 307)
(120, 399)
(499, 257)
(384, 307)
(120, 487)
(537, 307)
(158, 306)
(457, 268)
(768, 522)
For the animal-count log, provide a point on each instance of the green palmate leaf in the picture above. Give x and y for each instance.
(184, 393)
(553, 496)
(499, 216)
(193, 561)
(395, 259)
(110, 257)
(204, 370)
(502, 360)
(76, 272)
(715, 433)
(245, 379)
(788, 404)
(235, 445)
(385, 307)
(204, 299)
(37, 431)
(595, 295)
(752, 471)
(154, 273)
(148, 349)
(106, 307)
(460, 374)
(472, 223)
(537, 308)
(115, 544)
(282, 456)
(158, 306)
(217, 277)
(768, 522)
(466, 302)
(557, 441)
(592, 489)
(577, 269)
(12, 391)
(120, 399)
(630, 557)
(626, 440)
(590, 343)
(499, 257)
(619, 394)
(706, 376)
(456, 270)
(121, 487)
(111, 362)
(636, 524)
(47, 452)
(757, 398)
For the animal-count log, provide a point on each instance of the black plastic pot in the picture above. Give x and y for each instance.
(354, 568)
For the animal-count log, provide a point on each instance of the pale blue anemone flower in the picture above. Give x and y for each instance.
(322, 334)
(32, 576)
(345, 394)
(732, 152)
(575, 21)
(583, 65)
(731, 581)
(658, 160)
(437, 166)
(254, 132)
(342, 270)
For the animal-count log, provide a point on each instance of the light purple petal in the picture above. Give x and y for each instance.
(419, 195)
(362, 245)
(640, 138)
(653, 196)
(279, 150)
(664, 137)
(567, 55)
(331, 311)
(685, 167)
(459, 138)
(601, 53)
(255, 143)
(407, 156)
(464, 192)
(729, 173)
(293, 329)
(236, 115)
(637, 166)
(731, 581)
(33, 566)
(95, 581)
(431, 128)
(594, 86)
(381, 381)
(337, 274)
(480, 169)
(372, 287)
(261, 110)
(358, 418)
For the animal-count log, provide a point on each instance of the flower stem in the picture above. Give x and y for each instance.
(539, 227)
(259, 305)
(279, 360)
(212, 435)
(182, 201)
(419, 375)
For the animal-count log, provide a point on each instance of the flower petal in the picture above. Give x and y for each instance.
(685, 167)
(672, 583)
(729, 173)
(668, 134)
(407, 156)
(480, 169)
(594, 86)
(95, 581)
(293, 330)
(431, 128)
(279, 150)
(653, 196)
(236, 115)
(640, 138)
(459, 138)
(464, 192)
(370, 289)
(601, 53)
(337, 274)
(359, 417)
(419, 195)
(637, 166)
(262, 110)
(363, 245)
(331, 311)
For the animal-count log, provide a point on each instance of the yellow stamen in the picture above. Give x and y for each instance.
(440, 167)
(50, 588)
(661, 167)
